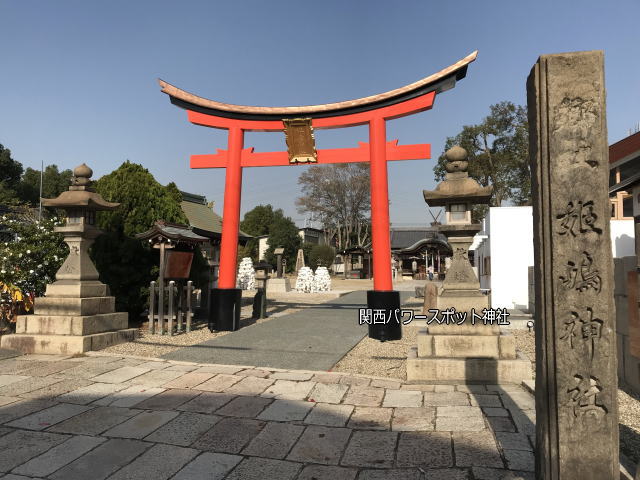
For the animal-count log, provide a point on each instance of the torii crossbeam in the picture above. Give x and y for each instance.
(298, 123)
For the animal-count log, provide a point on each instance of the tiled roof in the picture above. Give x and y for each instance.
(201, 216)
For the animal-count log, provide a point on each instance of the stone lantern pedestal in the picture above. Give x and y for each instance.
(464, 349)
(77, 314)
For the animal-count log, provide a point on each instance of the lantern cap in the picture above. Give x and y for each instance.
(80, 194)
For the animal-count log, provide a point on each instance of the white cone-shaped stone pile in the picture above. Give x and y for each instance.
(322, 280)
(305, 281)
(246, 274)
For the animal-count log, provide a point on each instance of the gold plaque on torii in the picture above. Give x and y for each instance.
(301, 144)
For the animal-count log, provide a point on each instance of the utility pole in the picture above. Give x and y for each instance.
(41, 177)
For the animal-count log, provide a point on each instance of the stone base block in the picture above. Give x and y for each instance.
(477, 370)
(56, 306)
(462, 301)
(278, 285)
(458, 346)
(463, 329)
(77, 289)
(66, 344)
(71, 325)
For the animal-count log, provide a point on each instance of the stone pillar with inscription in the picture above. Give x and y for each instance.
(576, 382)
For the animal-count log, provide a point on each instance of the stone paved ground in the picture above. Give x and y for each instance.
(108, 417)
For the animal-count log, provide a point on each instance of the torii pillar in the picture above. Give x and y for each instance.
(298, 124)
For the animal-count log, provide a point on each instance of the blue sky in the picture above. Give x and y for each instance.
(78, 78)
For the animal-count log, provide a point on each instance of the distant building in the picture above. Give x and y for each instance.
(424, 245)
(314, 236)
(204, 221)
(624, 165)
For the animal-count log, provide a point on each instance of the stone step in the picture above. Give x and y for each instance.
(74, 306)
(66, 344)
(466, 346)
(71, 325)
(463, 370)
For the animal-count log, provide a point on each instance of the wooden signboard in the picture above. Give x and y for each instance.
(178, 264)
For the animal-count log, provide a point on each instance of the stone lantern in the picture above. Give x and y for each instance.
(458, 193)
(77, 314)
(467, 351)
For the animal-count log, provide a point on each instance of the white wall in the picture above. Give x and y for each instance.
(511, 251)
(263, 244)
(622, 238)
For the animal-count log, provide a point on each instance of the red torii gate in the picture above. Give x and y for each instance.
(298, 123)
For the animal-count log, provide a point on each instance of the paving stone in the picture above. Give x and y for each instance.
(183, 367)
(444, 388)
(525, 421)
(141, 425)
(329, 415)
(102, 461)
(58, 388)
(5, 430)
(89, 393)
(483, 473)
(208, 466)
(129, 396)
(289, 390)
(286, 410)
(395, 474)
(371, 418)
(49, 369)
(11, 476)
(28, 385)
(8, 400)
(413, 419)
(274, 441)
(370, 449)
(459, 411)
(120, 375)
(383, 383)
(250, 386)
(298, 376)
(95, 421)
(361, 381)
(364, 396)
(229, 435)
(9, 379)
(19, 446)
(154, 365)
(189, 380)
(495, 412)
(58, 456)
(471, 388)
(419, 388)
(485, 400)
(87, 371)
(206, 402)
(328, 393)
(160, 462)
(49, 416)
(155, 378)
(253, 372)
(460, 424)
(447, 474)
(445, 399)
(219, 383)
(260, 468)
(505, 388)
(519, 460)
(320, 445)
(521, 400)
(402, 398)
(244, 407)
(476, 450)
(23, 407)
(168, 400)
(225, 369)
(183, 430)
(327, 377)
(424, 449)
(513, 441)
(326, 472)
(501, 424)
